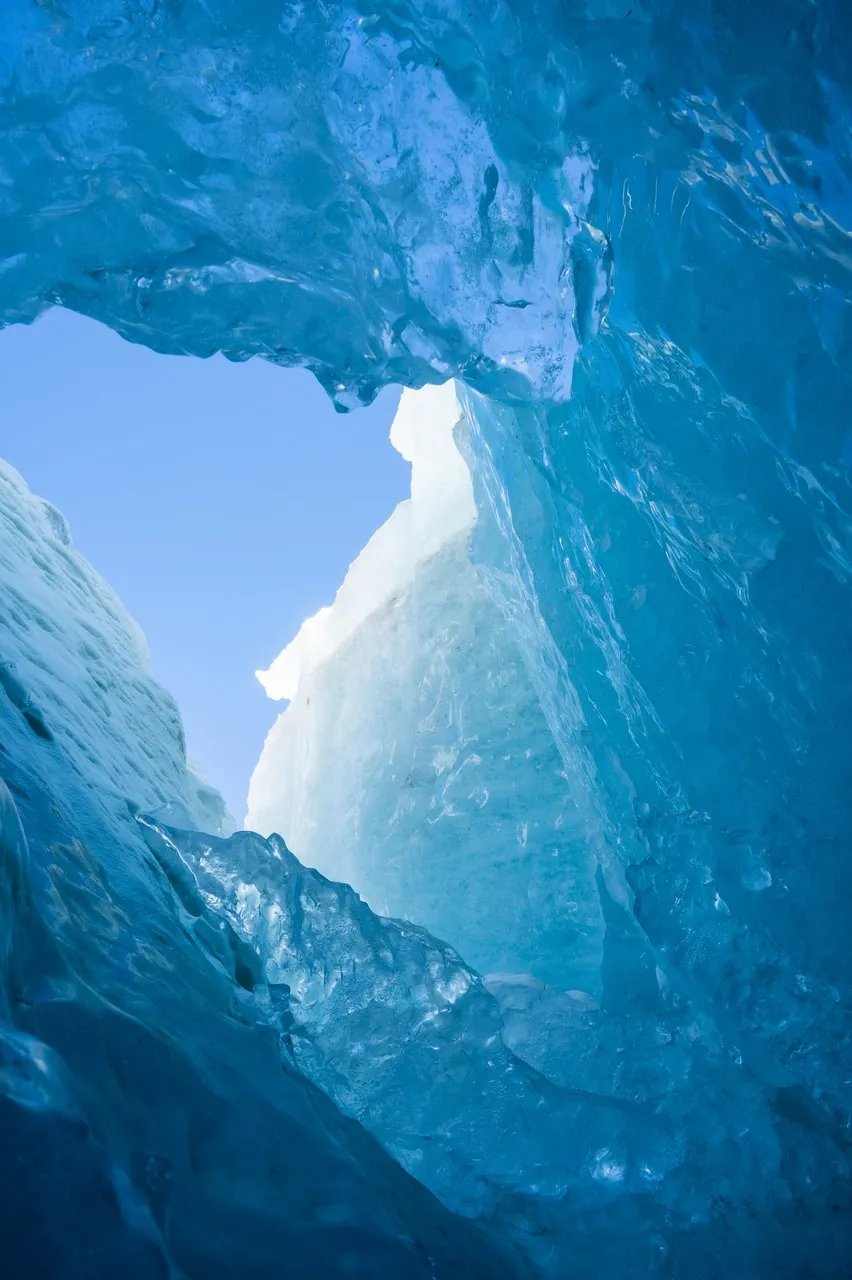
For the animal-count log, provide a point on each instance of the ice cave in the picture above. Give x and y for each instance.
(533, 956)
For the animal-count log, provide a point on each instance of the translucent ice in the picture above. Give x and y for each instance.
(74, 671)
(151, 1126)
(450, 804)
(318, 186)
(723, 917)
(440, 509)
(600, 1137)
(625, 231)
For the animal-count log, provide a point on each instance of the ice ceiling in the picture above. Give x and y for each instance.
(596, 738)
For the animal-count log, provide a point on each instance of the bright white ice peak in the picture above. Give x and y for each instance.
(440, 507)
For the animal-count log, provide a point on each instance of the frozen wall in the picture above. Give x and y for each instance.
(154, 1120)
(625, 231)
(449, 804)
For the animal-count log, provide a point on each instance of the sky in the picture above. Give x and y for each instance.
(224, 502)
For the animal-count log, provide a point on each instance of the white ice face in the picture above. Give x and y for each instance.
(414, 761)
(440, 508)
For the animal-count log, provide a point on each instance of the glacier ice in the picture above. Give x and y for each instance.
(660, 960)
(151, 1125)
(75, 668)
(385, 236)
(624, 230)
(410, 691)
(441, 507)
(601, 1137)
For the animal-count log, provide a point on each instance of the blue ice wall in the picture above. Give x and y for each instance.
(154, 1120)
(627, 230)
(450, 805)
(682, 528)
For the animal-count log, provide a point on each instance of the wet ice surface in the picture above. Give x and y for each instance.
(590, 1134)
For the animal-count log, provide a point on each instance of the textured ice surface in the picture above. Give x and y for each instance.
(151, 1124)
(316, 185)
(620, 1137)
(450, 804)
(74, 667)
(411, 191)
(709, 1006)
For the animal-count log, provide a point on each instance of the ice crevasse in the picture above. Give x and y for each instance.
(576, 726)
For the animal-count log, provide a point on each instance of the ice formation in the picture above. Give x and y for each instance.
(624, 232)
(152, 1125)
(440, 508)
(594, 1138)
(411, 692)
(74, 672)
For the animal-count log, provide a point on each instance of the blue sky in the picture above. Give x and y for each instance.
(223, 502)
